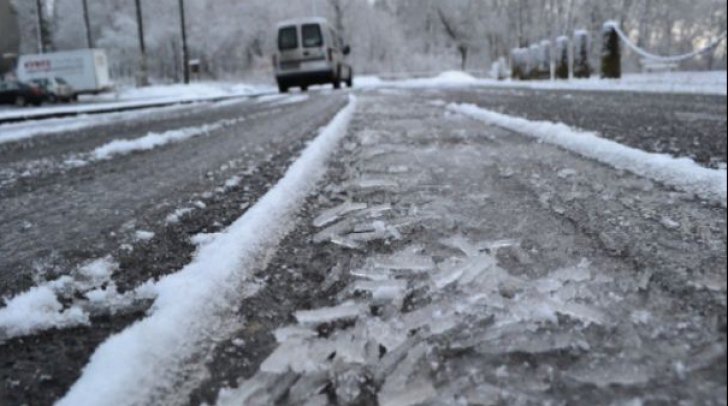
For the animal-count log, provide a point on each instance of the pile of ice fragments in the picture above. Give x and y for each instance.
(403, 315)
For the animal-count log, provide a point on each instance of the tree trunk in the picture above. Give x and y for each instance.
(463, 49)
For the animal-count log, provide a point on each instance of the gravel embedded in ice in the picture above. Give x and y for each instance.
(142, 235)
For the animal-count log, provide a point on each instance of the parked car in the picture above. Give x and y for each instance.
(310, 52)
(21, 94)
(57, 89)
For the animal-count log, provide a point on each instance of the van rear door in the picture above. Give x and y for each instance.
(312, 36)
(288, 47)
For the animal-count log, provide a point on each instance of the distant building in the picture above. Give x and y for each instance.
(9, 37)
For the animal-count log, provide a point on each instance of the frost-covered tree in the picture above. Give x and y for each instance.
(235, 38)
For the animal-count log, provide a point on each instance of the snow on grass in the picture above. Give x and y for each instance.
(138, 364)
(681, 173)
(155, 140)
(40, 309)
(713, 83)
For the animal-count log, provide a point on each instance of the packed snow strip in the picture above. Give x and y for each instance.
(155, 140)
(138, 364)
(681, 173)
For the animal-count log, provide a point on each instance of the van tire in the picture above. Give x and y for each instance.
(282, 88)
(304, 88)
(337, 79)
(350, 81)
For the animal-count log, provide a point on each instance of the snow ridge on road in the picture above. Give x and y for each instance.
(154, 140)
(141, 364)
(681, 173)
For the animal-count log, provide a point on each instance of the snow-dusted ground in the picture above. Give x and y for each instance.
(476, 266)
(140, 97)
(672, 82)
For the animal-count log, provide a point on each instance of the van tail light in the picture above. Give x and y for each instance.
(331, 55)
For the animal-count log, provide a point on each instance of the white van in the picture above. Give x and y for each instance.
(310, 52)
(85, 70)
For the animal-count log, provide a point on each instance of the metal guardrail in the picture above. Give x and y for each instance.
(672, 58)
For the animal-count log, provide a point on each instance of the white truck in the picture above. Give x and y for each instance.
(86, 70)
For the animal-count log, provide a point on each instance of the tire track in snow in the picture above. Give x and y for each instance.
(27, 169)
(142, 364)
(681, 173)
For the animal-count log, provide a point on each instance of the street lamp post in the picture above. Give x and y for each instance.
(41, 40)
(185, 52)
(87, 21)
(142, 80)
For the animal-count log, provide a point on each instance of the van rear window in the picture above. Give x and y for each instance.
(287, 38)
(312, 35)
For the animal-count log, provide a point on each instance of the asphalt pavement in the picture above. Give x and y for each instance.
(576, 251)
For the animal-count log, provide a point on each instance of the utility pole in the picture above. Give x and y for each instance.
(185, 53)
(87, 21)
(41, 30)
(142, 79)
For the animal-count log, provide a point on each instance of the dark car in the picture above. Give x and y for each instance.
(21, 94)
(56, 89)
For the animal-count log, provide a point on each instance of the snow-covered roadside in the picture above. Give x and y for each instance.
(681, 173)
(136, 365)
(156, 140)
(712, 83)
(139, 98)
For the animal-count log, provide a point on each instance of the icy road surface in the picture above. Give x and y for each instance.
(440, 260)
